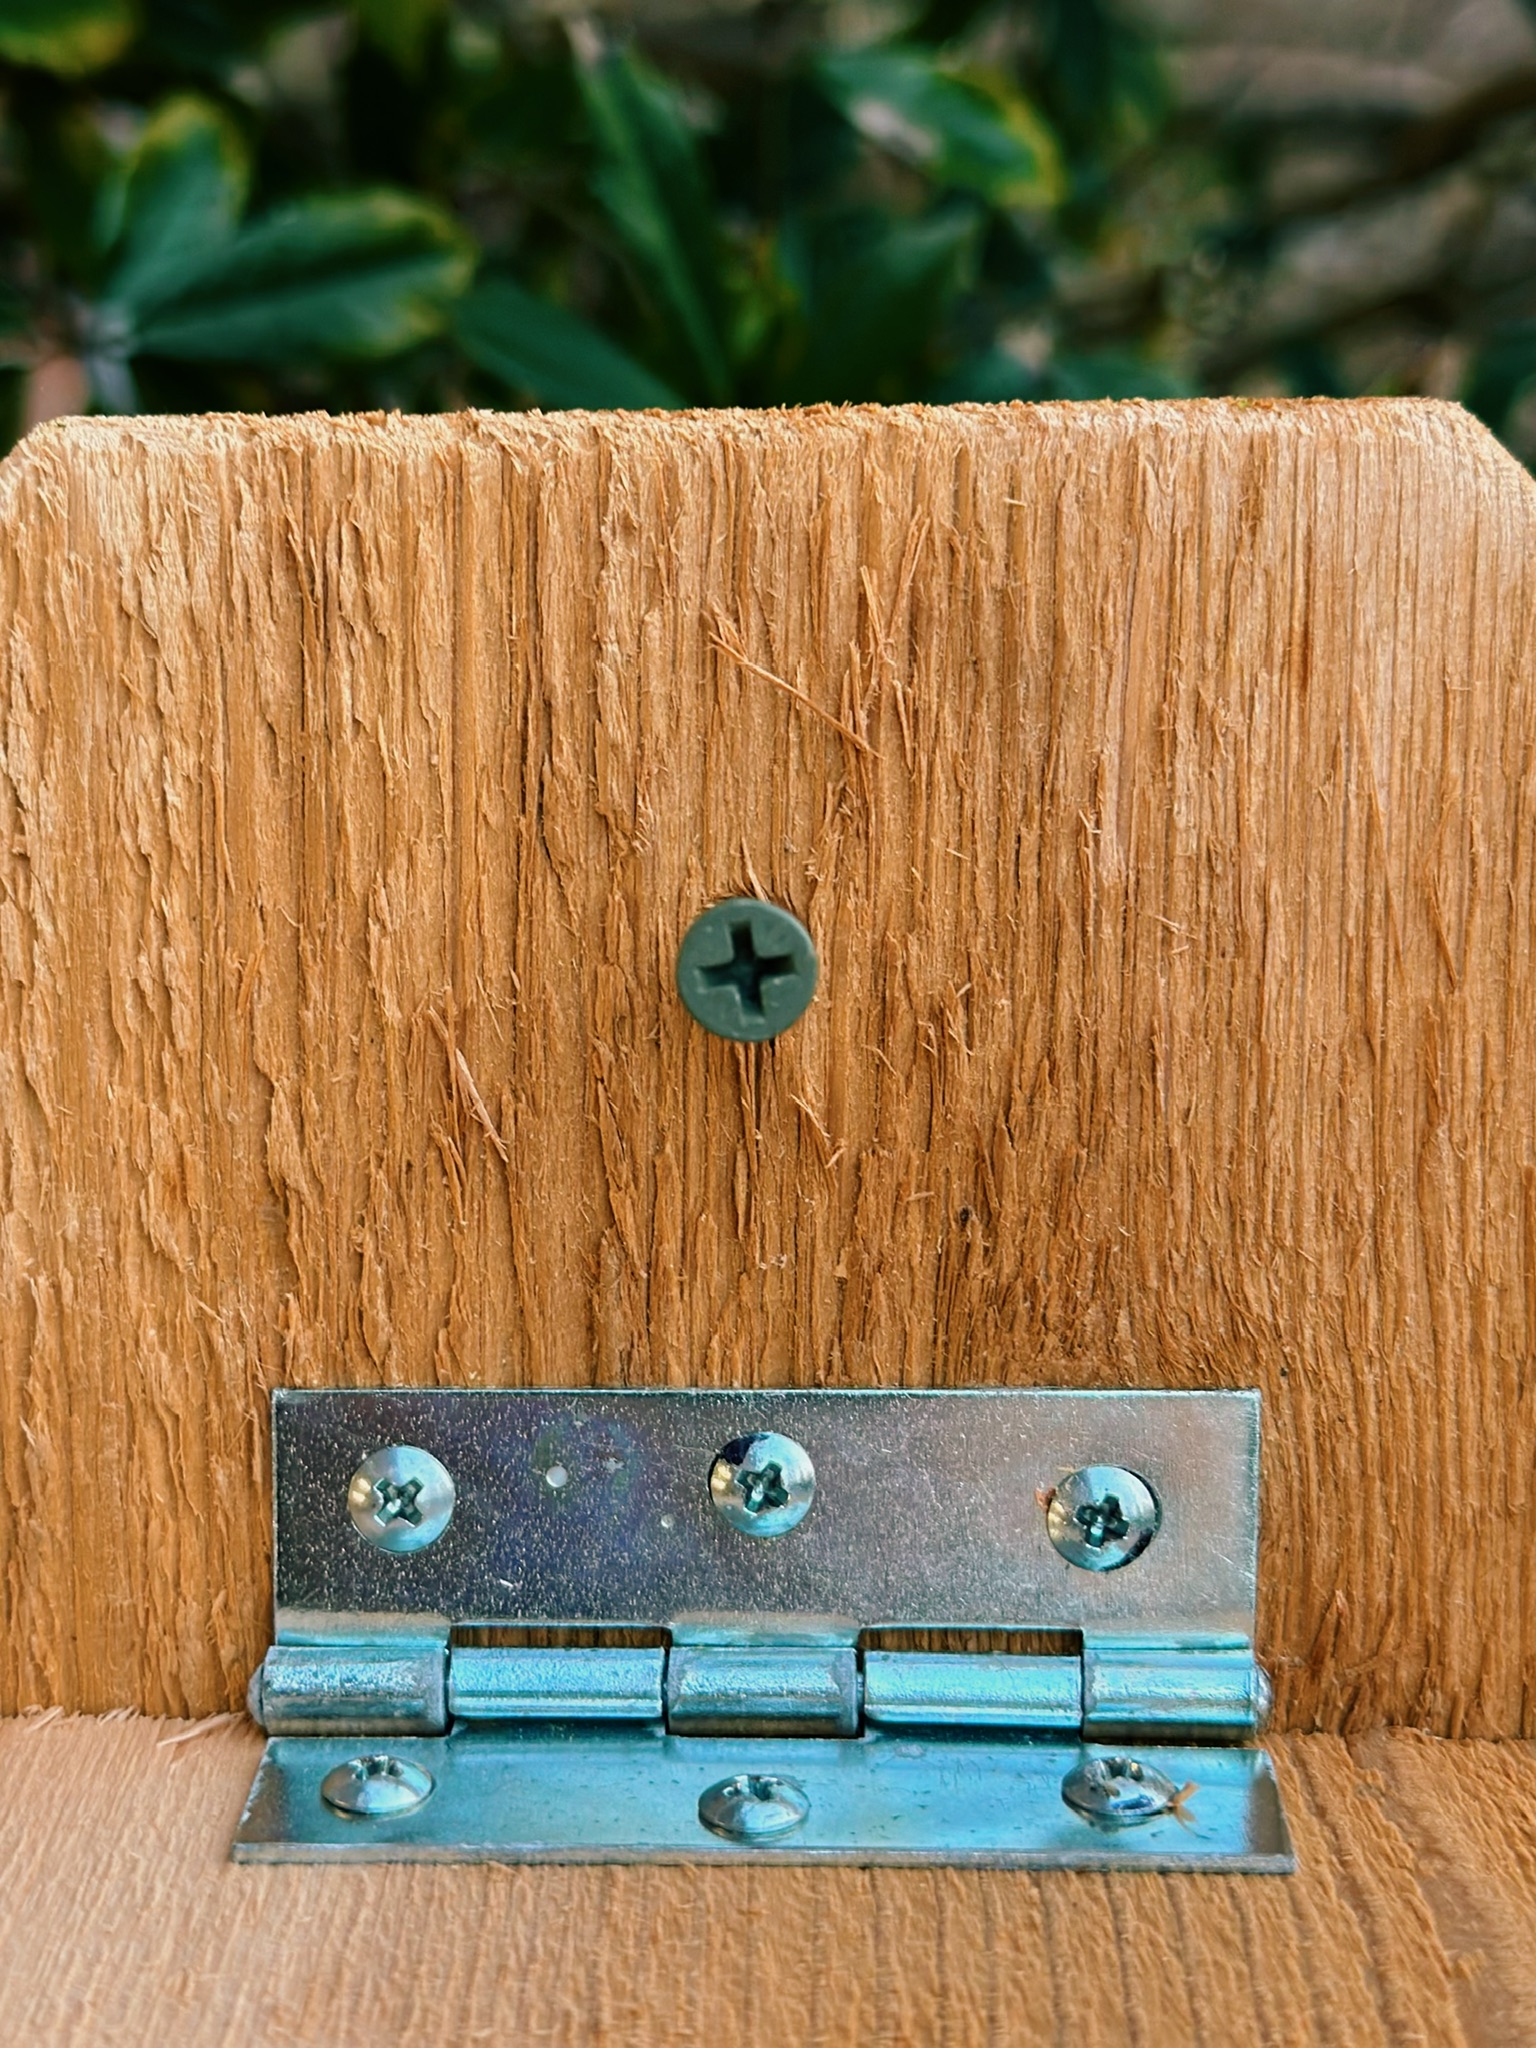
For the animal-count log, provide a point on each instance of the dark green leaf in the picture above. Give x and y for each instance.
(399, 27)
(873, 292)
(202, 40)
(550, 354)
(943, 21)
(180, 200)
(996, 375)
(1503, 370)
(1100, 76)
(651, 183)
(15, 313)
(67, 36)
(972, 130)
(528, 119)
(364, 275)
(59, 150)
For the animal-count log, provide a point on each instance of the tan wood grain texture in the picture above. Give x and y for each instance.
(1158, 782)
(1412, 1920)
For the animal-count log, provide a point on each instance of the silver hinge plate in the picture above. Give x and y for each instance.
(765, 1535)
(546, 1795)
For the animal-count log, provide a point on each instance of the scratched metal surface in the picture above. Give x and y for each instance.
(927, 1510)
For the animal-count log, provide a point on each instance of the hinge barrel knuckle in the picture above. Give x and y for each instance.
(555, 1685)
(777, 1690)
(1158, 1692)
(912, 1689)
(352, 1689)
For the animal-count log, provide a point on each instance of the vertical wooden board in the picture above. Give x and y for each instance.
(1156, 781)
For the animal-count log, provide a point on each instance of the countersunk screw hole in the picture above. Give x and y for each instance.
(377, 1787)
(400, 1499)
(754, 1807)
(1101, 1516)
(762, 1484)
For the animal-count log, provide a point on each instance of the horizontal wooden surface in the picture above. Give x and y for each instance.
(1159, 784)
(1413, 1920)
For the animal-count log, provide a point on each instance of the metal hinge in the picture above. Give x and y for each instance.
(766, 1537)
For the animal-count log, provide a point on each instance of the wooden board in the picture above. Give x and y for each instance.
(1159, 784)
(1413, 1919)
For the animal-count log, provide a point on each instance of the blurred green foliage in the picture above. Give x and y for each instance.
(427, 203)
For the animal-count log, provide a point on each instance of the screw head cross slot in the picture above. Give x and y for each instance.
(400, 1499)
(1119, 1791)
(377, 1787)
(1101, 1517)
(397, 1503)
(762, 1491)
(746, 969)
(754, 1807)
(762, 1484)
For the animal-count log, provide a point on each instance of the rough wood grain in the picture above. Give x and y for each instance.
(1159, 783)
(124, 1922)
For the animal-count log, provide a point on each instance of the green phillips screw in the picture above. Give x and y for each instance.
(746, 969)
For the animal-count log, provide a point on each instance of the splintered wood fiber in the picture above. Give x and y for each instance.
(1156, 781)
